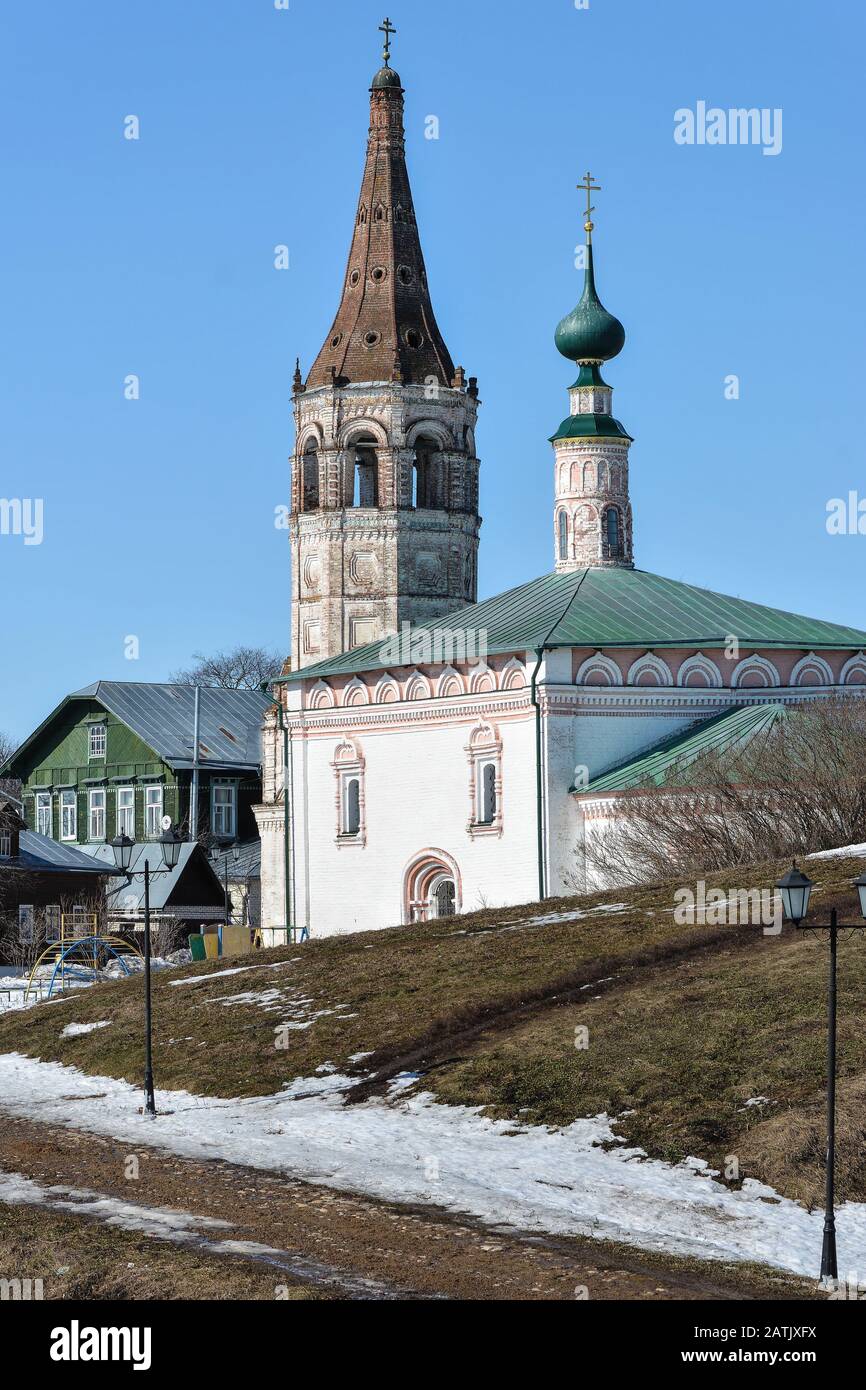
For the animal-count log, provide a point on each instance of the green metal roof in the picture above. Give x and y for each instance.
(606, 607)
(666, 763)
(163, 717)
(590, 426)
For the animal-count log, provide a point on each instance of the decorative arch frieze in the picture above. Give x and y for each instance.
(387, 691)
(513, 676)
(755, 672)
(321, 696)
(811, 666)
(854, 670)
(700, 671)
(598, 670)
(450, 683)
(418, 687)
(649, 669)
(355, 692)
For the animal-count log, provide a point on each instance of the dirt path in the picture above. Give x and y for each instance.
(336, 1240)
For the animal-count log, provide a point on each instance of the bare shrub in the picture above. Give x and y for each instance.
(797, 788)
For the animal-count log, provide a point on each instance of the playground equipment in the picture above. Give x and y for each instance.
(79, 953)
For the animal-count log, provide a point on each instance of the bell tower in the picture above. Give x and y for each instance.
(592, 513)
(384, 512)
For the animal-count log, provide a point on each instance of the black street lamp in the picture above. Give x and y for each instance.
(796, 890)
(223, 852)
(122, 847)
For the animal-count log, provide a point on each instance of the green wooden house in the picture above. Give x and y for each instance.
(118, 756)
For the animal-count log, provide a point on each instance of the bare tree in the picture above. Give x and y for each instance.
(796, 789)
(7, 748)
(243, 668)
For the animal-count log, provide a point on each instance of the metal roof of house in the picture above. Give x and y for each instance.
(49, 856)
(163, 715)
(129, 895)
(611, 607)
(247, 865)
(667, 762)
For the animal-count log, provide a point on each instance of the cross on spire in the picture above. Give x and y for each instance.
(589, 188)
(387, 28)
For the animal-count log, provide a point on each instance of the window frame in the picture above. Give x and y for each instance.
(68, 802)
(562, 535)
(153, 834)
(121, 826)
(485, 766)
(5, 839)
(349, 766)
(349, 780)
(223, 784)
(26, 914)
(92, 731)
(45, 799)
(484, 750)
(96, 810)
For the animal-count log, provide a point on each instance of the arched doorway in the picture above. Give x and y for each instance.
(431, 887)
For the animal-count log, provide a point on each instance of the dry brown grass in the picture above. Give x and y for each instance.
(81, 1259)
(697, 1021)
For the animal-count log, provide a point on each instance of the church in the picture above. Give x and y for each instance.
(429, 754)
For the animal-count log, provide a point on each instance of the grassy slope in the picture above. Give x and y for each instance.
(84, 1259)
(696, 1021)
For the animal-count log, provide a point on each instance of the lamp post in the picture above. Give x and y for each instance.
(796, 890)
(122, 847)
(223, 851)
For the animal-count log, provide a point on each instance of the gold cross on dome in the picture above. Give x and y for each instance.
(387, 29)
(589, 188)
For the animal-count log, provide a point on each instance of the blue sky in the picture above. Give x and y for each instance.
(155, 257)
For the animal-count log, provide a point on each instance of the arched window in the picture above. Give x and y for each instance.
(485, 786)
(348, 768)
(488, 793)
(365, 482)
(426, 490)
(352, 806)
(310, 478)
(563, 535)
(612, 532)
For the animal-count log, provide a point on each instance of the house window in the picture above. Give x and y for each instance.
(43, 813)
(97, 815)
(223, 808)
(126, 811)
(68, 816)
(25, 922)
(53, 921)
(96, 748)
(487, 793)
(351, 806)
(5, 844)
(152, 812)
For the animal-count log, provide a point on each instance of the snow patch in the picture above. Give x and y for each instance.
(577, 1181)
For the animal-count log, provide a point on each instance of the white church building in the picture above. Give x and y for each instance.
(429, 754)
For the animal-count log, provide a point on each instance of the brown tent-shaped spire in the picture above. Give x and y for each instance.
(384, 329)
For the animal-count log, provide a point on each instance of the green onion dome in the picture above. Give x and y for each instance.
(386, 77)
(589, 333)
